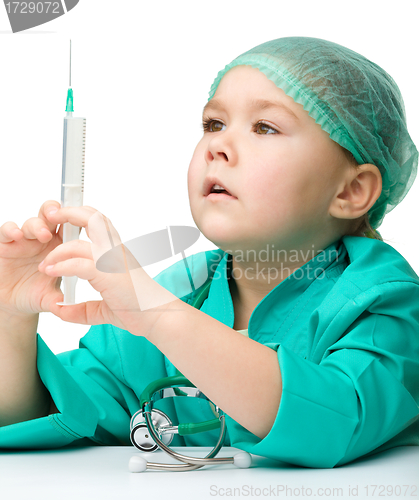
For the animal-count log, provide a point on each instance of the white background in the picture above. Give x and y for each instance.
(141, 76)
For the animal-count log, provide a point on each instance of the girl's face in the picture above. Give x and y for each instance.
(280, 167)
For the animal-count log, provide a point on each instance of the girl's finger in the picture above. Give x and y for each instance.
(65, 251)
(86, 313)
(84, 269)
(98, 227)
(36, 229)
(10, 231)
(77, 216)
(45, 208)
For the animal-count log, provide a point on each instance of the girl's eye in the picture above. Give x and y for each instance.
(210, 125)
(264, 128)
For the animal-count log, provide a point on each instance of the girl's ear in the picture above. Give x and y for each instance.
(357, 193)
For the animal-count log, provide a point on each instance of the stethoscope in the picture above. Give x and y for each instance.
(152, 429)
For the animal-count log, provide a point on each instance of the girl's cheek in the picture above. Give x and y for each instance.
(191, 172)
(197, 165)
(193, 177)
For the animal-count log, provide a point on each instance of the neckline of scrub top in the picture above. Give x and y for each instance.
(219, 303)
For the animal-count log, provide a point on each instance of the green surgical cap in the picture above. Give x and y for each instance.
(355, 101)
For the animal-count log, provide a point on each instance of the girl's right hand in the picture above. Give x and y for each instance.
(24, 291)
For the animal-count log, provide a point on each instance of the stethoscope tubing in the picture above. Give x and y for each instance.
(190, 463)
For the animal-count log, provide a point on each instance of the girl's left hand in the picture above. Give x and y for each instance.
(131, 300)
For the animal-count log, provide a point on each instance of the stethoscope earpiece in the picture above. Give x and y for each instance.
(243, 460)
(137, 464)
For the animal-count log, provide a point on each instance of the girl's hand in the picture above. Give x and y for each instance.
(131, 300)
(23, 290)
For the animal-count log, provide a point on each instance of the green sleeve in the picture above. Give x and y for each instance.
(362, 394)
(90, 390)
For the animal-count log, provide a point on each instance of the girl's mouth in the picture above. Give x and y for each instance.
(213, 187)
(216, 188)
(221, 196)
(217, 192)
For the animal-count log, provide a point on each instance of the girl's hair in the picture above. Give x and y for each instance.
(364, 228)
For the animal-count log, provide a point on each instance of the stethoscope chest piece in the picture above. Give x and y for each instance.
(140, 435)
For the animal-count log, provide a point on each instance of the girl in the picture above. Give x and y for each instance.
(309, 337)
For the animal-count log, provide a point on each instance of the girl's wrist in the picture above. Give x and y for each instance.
(17, 323)
(166, 321)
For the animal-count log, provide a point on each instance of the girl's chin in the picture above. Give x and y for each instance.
(218, 231)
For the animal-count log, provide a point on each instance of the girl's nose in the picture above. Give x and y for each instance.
(222, 147)
(221, 155)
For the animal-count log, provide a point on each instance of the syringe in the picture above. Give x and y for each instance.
(72, 180)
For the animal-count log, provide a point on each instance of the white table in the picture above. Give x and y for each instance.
(102, 473)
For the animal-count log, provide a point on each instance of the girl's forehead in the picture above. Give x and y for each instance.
(253, 89)
(247, 80)
(243, 73)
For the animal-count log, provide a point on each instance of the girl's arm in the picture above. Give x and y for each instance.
(239, 375)
(23, 396)
(236, 373)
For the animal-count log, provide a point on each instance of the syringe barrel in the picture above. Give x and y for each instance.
(72, 186)
(73, 162)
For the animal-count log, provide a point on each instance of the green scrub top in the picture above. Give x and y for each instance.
(345, 327)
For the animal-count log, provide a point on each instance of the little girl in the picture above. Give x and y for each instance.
(308, 339)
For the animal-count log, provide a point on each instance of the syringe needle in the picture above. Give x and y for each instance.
(69, 106)
(70, 64)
